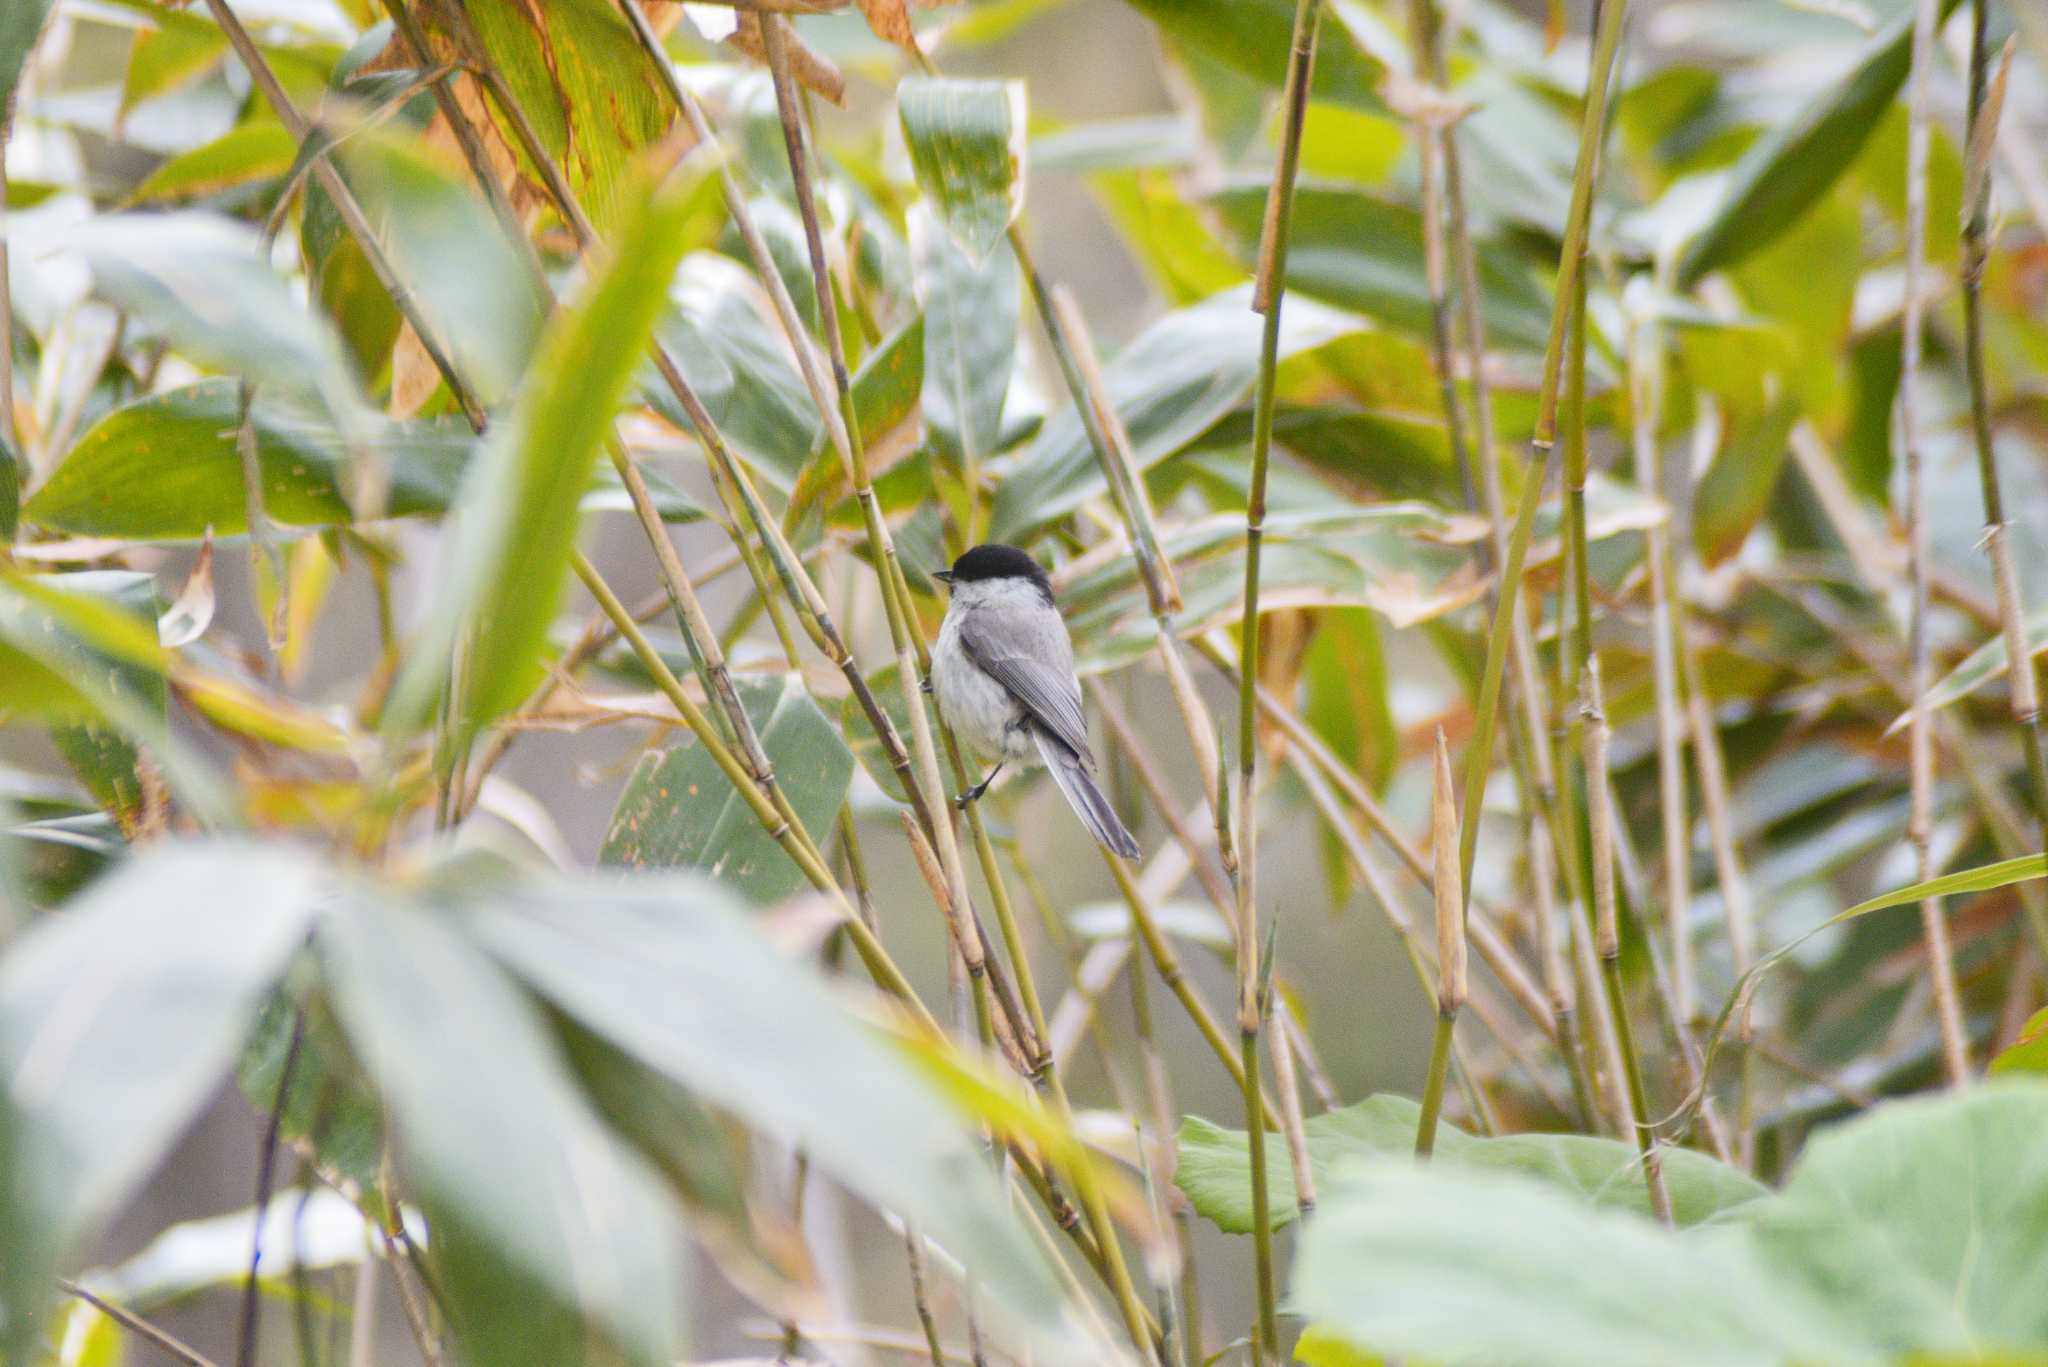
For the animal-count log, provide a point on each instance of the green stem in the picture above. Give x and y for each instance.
(1433, 1089)
(1262, 1220)
(1607, 42)
(2026, 707)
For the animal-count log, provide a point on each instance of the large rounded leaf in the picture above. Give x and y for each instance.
(1215, 1170)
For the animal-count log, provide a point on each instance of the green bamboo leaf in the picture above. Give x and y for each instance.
(1252, 37)
(678, 810)
(718, 333)
(511, 549)
(1363, 252)
(21, 23)
(1795, 162)
(587, 88)
(1981, 666)
(966, 141)
(1442, 1264)
(205, 281)
(1986, 878)
(454, 256)
(1214, 1168)
(2028, 1053)
(104, 757)
(1736, 490)
(536, 1210)
(169, 57)
(1170, 385)
(252, 152)
(132, 1003)
(970, 341)
(166, 468)
(670, 971)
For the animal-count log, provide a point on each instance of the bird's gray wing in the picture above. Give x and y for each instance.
(1035, 661)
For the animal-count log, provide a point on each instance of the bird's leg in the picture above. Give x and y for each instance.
(974, 794)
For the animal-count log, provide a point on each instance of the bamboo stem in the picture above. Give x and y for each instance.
(1268, 293)
(2012, 613)
(346, 205)
(1920, 734)
(1607, 936)
(1607, 42)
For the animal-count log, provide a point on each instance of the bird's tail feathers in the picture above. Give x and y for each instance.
(1076, 778)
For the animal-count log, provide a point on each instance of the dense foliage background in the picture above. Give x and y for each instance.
(472, 475)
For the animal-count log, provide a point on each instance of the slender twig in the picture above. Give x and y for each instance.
(138, 1326)
(1600, 818)
(1071, 343)
(1268, 294)
(1186, 1317)
(1646, 407)
(1920, 734)
(266, 1169)
(1485, 936)
(1606, 43)
(1986, 99)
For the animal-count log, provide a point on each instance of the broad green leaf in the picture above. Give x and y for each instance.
(204, 280)
(1736, 489)
(166, 468)
(885, 396)
(1982, 665)
(1445, 1265)
(1170, 237)
(970, 342)
(1365, 253)
(454, 257)
(966, 141)
(680, 811)
(21, 22)
(1345, 673)
(669, 971)
(1253, 36)
(2029, 1052)
(1794, 163)
(251, 152)
(131, 1003)
(512, 546)
(1925, 1223)
(1215, 1170)
(105, 758)
(1169, 386)
(723, 339)
(168, 57)
(51, 670)
(587, 88)
(523, 1185)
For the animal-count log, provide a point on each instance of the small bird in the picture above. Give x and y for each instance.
(1003, 671)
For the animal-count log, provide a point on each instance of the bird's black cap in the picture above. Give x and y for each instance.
(993, 561)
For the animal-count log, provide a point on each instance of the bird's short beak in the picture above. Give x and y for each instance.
(943, 576)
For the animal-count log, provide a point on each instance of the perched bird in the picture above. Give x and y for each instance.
(1003, 671)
